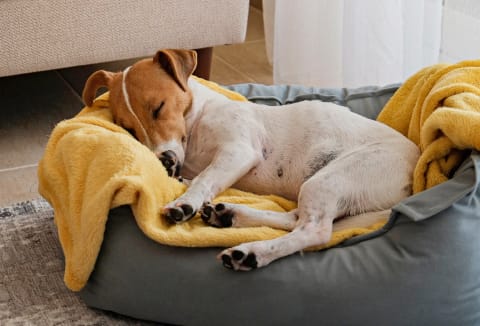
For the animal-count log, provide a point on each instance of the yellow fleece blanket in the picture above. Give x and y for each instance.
(91, 165)
(438, 108)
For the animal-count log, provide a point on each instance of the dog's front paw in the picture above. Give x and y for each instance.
(239, 259)
(217, 215)
(179, 212)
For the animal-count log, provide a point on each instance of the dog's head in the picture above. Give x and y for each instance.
(150, 99)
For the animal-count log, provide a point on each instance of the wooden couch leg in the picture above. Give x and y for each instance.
(204, 62)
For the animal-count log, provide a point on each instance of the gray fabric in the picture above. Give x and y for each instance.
(367, 101)
(420, 270)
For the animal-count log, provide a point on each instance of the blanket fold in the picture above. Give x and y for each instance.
(438, 108)
(91, 165)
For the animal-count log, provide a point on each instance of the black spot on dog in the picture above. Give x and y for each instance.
(264, 153)
(407, 189)
(319, 162)
(280, 172)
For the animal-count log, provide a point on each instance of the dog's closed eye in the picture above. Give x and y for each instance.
(156, 112)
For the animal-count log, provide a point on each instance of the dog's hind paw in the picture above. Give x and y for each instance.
(217, 215)
(238, 260)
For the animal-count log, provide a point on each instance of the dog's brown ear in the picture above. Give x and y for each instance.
(97, 80)
(179, 64)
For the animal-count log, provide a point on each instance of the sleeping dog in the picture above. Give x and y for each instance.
(333, 162)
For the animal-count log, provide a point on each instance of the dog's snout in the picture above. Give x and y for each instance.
(170, 162)
(168, 158)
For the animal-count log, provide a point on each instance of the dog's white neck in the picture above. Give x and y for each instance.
(201, 95)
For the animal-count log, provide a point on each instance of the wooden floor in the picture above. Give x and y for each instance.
(32, 104)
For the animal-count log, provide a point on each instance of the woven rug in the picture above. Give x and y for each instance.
(32, 291)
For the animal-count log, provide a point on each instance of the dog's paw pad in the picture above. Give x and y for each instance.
(217, 215)
(238, 260)
(177, 214)
(227, 261)
(250, 261)
(237, 254)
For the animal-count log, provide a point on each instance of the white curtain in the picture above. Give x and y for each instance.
(351, 43)
(460, 30)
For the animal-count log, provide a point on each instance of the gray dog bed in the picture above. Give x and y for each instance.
(422, 268)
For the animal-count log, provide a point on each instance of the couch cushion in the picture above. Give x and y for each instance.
(43, 35)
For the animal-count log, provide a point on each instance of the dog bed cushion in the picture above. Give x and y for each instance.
(422, 267)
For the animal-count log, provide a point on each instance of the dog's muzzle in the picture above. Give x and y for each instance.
(170, 162)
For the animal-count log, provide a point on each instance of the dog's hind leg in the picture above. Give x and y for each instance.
(374, 179)
(316, 211)
(260, 253)
(236, 215)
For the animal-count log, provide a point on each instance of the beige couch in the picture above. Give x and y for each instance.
(49, 34)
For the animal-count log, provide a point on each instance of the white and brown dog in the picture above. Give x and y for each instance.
(332, 161)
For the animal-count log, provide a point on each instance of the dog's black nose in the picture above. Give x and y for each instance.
(168, 159)
(170, 162)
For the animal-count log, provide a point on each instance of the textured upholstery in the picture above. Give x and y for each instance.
(41, 35)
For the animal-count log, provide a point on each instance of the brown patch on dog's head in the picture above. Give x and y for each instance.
(97, 80)
(158, 93)
(179, 64)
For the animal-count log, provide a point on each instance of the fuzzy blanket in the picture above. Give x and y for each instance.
(91, 165)
(438, 108)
